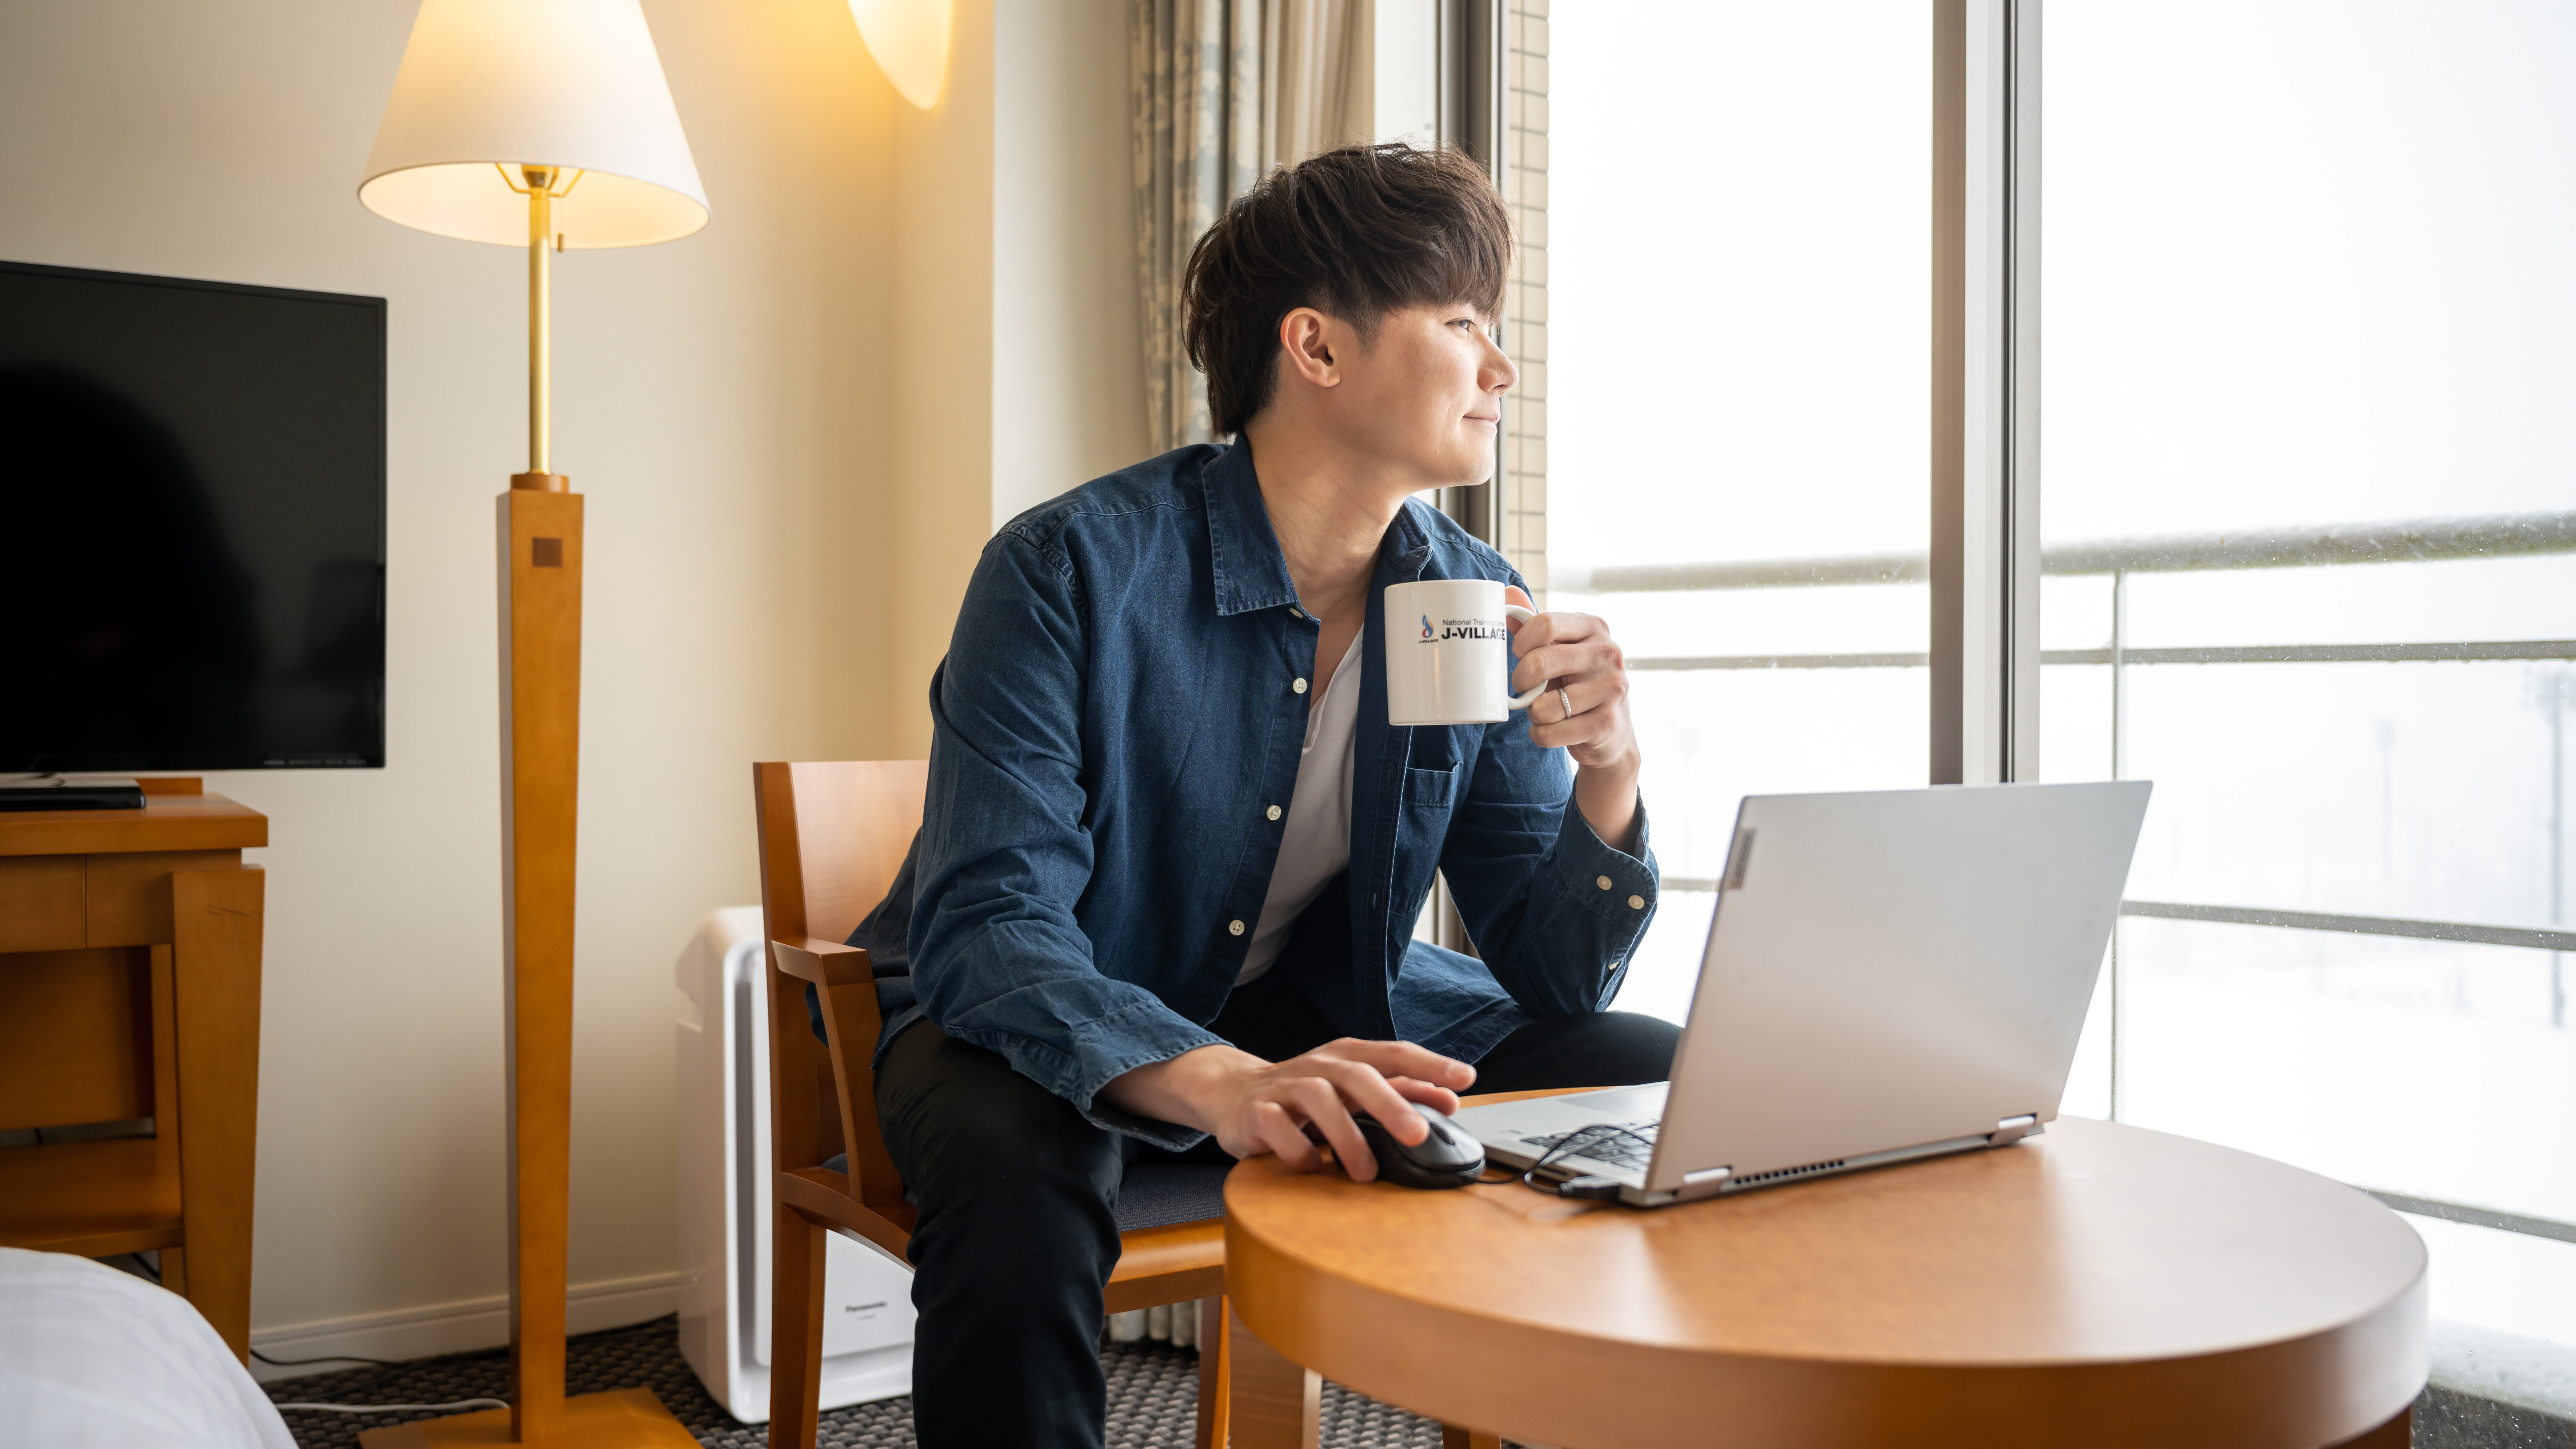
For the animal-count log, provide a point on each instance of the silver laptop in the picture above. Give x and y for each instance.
(1890, 975)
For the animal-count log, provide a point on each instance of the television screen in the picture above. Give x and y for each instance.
(192, 564)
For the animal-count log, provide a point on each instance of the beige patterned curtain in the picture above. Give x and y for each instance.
(1315, 71)
(1223, 89)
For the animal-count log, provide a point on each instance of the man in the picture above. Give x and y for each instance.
(1173, 852)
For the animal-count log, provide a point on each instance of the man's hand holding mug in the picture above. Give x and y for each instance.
(1448, 645)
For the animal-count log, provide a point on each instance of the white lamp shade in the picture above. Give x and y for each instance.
(574, 84)
(909, 41)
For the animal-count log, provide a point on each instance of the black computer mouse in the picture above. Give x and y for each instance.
(1446, 1158)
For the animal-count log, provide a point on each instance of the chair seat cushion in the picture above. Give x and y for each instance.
(1153, 1194)
(1159, 1194)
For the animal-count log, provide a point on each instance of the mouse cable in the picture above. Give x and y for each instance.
(1586, 1184)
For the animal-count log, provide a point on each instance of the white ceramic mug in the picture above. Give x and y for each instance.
(1448, 653)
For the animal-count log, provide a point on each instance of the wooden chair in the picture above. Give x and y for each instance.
(832, 836)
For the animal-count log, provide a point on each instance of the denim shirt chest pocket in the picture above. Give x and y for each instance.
(1428, 794)
(1433, 780)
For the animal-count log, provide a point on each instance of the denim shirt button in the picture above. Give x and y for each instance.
(1274, 812)
(1234, 928)
(1636, 903)
(1602, 881)
(1299, 686)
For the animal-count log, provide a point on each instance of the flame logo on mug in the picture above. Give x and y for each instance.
(1426, 627)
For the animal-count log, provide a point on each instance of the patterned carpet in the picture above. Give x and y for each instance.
(1153, 1401)
(1153, 1397)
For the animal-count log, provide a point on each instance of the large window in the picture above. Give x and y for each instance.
(2307, 367)
(1737, 379)
(2310, 370)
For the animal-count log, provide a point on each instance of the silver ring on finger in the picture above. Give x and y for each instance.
(1567, 701)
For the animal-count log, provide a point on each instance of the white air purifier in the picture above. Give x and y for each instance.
(725, 1201)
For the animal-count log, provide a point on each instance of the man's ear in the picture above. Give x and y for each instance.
(1309, 351)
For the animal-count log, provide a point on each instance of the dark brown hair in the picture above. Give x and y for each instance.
(1354, 234)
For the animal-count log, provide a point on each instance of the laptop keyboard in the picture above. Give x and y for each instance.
(1623, 1144)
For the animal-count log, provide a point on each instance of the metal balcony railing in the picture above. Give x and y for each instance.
(2410, 541)
(2413, 541)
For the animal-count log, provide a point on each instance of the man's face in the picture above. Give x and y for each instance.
(1425, 395)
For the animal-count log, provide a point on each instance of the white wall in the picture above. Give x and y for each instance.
(1016, 314)
(723, 403)
(1068, 359)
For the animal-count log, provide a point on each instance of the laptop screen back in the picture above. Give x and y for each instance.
(1895, 968)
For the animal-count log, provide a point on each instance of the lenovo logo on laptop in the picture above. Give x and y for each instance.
(1739, 860)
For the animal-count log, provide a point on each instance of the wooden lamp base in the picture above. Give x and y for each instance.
(618, 1419)
(539, 538)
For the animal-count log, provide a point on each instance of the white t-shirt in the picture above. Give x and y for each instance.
(1315, 844)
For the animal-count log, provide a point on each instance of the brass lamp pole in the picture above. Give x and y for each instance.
(537, 183)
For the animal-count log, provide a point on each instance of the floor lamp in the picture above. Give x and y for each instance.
(543, 124)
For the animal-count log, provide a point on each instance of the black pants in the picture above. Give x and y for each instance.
(1015, 1239)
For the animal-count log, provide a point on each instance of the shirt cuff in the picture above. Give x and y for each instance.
(1107, 1048)
(1612, 884)
(1170, 1136)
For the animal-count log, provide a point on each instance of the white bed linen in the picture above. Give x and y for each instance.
(91, 1356)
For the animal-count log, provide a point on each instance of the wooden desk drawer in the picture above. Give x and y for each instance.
(129, 893)
(40, 903)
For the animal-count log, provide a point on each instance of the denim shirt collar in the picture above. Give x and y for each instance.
(1250, 569)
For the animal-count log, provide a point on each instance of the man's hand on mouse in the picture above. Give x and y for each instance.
(1251, 1106)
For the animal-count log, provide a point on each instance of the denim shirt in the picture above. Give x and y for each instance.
(1121, 707)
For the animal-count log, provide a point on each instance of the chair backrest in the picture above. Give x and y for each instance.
(832, 836)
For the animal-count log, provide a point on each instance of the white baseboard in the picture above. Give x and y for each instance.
(472, 1323)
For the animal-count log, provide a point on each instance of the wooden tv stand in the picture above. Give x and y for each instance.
(129, 988)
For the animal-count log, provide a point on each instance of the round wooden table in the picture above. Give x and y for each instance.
(2098, 1285)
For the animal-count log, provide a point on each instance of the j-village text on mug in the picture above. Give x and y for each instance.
(1456, 670)
(1462, 629)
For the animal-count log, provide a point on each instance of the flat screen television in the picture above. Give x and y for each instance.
(192, 524)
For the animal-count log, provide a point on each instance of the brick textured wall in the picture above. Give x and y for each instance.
(1525, 187)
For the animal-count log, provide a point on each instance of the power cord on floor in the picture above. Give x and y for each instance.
(399, 1408)
(390, 1365)
(326, 1358)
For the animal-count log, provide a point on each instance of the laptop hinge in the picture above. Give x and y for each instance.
(2013, 1129)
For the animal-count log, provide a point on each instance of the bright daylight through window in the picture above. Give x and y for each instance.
(1738, 378)
(2310, 473)
(2309, 523)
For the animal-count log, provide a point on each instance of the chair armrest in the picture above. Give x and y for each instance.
(825, 963)
(847, 991)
